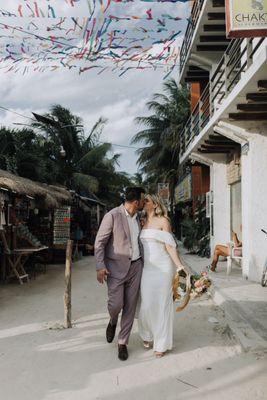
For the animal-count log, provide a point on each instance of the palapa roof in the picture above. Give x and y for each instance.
(51, 196)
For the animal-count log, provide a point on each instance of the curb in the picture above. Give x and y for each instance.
(241, 329)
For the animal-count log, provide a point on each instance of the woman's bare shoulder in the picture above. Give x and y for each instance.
(165, 224)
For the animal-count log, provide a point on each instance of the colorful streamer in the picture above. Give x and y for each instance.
(91, 34)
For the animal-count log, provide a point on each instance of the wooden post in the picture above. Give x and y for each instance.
(67, 294)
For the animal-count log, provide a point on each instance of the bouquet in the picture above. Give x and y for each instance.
(186, 287)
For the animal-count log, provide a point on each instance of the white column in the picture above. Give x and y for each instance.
(254, 207)
(221, 205)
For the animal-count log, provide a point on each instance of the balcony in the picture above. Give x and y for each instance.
(196, 9)
(240, 55)
(205, 40)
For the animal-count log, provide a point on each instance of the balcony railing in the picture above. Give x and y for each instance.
(235, 61)
(192, 22)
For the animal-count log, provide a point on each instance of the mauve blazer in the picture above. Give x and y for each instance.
(113, 245)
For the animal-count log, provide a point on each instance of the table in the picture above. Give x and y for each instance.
(16, 260)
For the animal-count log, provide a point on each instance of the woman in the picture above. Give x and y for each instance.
(225, 251)
(160, 257)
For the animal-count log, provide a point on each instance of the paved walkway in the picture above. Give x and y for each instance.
(244, 302)
(41, 361)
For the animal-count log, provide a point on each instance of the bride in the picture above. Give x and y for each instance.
(155, 320)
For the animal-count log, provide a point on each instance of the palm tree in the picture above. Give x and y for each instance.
(138, 179)
(159, 158)
(87, 165)
(65, 144)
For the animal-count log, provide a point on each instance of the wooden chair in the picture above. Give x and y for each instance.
(15, 261)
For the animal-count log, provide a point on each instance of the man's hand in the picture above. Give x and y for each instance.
(102, 275)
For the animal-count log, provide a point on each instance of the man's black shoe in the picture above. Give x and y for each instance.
(122, 352)
(110, 332)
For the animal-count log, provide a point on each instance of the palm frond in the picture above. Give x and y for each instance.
(85, 182)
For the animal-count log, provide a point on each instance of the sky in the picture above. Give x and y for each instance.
(119, 99)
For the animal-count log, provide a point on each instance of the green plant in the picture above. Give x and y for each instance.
(196, 231)
(190, 240)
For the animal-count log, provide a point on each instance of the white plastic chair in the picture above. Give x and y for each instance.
(233, 256)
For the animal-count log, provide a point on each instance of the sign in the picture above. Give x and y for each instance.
(183, 191)
(164, 193)
(61, 226)
(246, 18)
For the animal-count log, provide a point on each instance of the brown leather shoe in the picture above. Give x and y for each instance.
(122, 352)
(110, 332)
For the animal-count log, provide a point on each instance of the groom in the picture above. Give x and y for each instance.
(118, 254)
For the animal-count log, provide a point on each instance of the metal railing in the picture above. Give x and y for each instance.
(191, 26)
(237, 58)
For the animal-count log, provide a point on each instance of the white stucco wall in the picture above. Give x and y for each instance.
(221, 205)
(254, 207)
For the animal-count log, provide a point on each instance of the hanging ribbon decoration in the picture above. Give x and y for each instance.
(92, 34)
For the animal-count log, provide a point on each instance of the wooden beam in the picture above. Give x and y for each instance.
(220, 142)
(197, 73)
(260, 96)
(252, 107)
(219, 147)
(214, 151)
(216, 16)
(218, 3)
(67, 293)
(214, 28)
(212, 47)
(262, 85)
(202, 79)
(213, 38)
(218, 137)
(194, 68)
(257, 116)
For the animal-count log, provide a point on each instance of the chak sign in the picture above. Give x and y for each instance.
(246, 18)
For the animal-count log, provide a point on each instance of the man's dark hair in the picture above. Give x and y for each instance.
(133, 193)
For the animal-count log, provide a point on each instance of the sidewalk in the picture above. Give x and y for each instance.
(244, 302)
(41, 361)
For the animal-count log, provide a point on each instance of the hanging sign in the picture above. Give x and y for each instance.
(183, 191)
(246, 18)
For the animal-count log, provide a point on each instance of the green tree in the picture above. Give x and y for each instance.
(87, 165)
(21, 153)
(159, 157)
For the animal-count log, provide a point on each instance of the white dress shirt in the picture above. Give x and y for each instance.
(134, 233)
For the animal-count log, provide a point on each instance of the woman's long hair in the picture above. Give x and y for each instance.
(160, 209)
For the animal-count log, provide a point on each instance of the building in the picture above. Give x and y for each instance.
(227, 128)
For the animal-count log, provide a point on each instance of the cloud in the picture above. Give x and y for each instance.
(120, 99)
(90, 96)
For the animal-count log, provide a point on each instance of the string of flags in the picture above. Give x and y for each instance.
(84, 35)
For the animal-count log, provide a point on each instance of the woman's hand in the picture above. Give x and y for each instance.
(182, 268)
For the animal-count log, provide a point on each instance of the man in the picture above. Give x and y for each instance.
(118, 254)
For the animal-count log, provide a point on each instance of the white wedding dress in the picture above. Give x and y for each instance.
(155, 319)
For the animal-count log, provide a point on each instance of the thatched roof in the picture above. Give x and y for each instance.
(49, 195)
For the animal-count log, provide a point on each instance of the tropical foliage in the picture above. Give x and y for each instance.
(159, 137)
(57, 150)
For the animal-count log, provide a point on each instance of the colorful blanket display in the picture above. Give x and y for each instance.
(114, 35)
